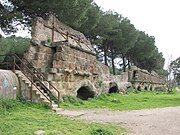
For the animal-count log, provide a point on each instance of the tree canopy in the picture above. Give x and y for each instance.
(175, 66)
(114, 36)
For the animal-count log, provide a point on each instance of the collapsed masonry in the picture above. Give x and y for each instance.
(68, 60)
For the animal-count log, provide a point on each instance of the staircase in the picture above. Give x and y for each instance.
(40, 89)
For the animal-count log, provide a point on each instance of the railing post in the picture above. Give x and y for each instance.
(31, 88)
(50, 96)
(58, 99)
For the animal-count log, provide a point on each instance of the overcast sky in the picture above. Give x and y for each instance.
(158, 18)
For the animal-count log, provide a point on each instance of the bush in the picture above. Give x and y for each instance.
(100, 131)
(8, 104)
(103, 96)
(72, 100)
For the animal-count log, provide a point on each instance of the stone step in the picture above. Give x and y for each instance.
(54, 106)
(36, 89)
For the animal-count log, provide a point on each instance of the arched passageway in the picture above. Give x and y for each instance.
(151, 88)
(85, 92)
(113, 87)
(139, 88)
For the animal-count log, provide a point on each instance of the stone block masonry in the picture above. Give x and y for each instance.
(68, 61)
(65, 56)
(73, 59)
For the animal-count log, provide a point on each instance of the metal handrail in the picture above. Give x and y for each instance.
(44, 78)
(38, 76)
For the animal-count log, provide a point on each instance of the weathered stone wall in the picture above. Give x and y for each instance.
(120, 78)
(103, 71)
(39, 55)
(52, 30)
(142, 79)
(70, 58)
(9, 84)
(69, 62)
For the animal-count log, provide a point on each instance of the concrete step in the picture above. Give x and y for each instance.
(17, 72)
(54, 106)
(35, 88)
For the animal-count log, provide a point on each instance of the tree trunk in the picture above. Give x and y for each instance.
(129, 64)
(105, 53)
(124, 64)
(112, 60)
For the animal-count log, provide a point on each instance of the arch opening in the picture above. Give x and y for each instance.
(146, 88)
(134, 74)
(113, 87)
(85, 92)
(151, 88)
(139, 88)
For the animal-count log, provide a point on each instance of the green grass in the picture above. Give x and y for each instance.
(24, 118)
(131, 101)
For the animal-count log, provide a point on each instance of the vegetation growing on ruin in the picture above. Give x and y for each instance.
(24, 118)
(131, 101)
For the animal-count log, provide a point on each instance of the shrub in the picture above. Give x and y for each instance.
(100, 131)
(8, 104)
(72, 100)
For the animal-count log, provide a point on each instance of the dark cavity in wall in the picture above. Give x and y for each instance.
(85, 92)
(113, 87)
(139, 88)
(134, 74)
(151, 88)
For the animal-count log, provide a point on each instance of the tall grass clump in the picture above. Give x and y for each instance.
(8, 104)
(101, 131)
(72, 100)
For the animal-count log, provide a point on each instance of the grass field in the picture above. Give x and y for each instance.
(24, 118)
(131, 101)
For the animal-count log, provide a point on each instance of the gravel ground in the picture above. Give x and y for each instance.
(159, 121)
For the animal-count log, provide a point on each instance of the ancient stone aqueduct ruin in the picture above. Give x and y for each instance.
(68, 61)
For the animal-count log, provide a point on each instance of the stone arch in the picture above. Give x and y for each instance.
(139, 88)
(113, 87)
(134, 74)
(85, 89)
(151, 87)
(145, 87)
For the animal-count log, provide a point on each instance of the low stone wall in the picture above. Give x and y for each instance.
(123, 77)
(103, 71)
(9, 84)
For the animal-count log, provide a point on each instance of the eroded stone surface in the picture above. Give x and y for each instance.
(68, 60)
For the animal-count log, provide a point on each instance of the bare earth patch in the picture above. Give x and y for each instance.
(159, 121)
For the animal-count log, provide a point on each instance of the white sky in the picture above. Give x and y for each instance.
(158, 18)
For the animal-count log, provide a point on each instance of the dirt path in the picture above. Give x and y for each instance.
(160, 121)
